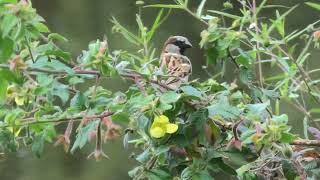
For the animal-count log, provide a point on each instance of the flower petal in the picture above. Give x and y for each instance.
(171, 128)
(19, 100)
(157, 132)
(161, 119)
(11, 90)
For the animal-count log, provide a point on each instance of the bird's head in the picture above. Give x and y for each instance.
(177, 43)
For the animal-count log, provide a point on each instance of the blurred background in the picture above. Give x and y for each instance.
(82, 21)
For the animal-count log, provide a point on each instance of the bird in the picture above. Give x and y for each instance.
(172, 58)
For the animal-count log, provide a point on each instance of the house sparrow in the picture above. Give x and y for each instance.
(172, 58)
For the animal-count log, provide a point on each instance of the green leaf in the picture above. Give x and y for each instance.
(13, 117)
(139, 102)
(144, 156)
(57, 37)
(38, 145)
(3, 89)
(223, 109)
(313, 5)
(258, 108)
(164, 106)
(191, 91)
(9, 76)
(41, 27)
(246, 58)
(202, 175)
(169, 97)
(57, 65)
(9, 21)
(58, 53)
(280, 19)
(244, 173)
(61, 90)
(133, 172)
(82, 136)
(246, 76)
(158, 174)
(272, 94)
(53, 64)
(7, 140)
(120, 117)
(223, 166)
(287, 137)
(282, 119)
(155, 26)
(141, 26)
(79, 101)
(198, 119)
(187, 173)
(125, 32)
(8, 1)
(6, 49)
(279, 24)
(212, 55)
(162, 149)
(143, 123)
(246, 137)
(44, 79)
(289, 170)
(76, 80)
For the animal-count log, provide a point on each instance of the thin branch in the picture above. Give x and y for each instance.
(46, 40)
(305, 76)
(92, 72)
(50, 71)
(29, 49)
(195, 16)
(305, 142)
(302, 142)
(232, 58)
(31, 121)
(260, 73)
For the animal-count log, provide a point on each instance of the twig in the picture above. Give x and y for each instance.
(46, 40)
(233, 59)
(199, 18)
(29, 49)
(304, 75)
(79, 118)
(92, 72)
(306, 142)
(254, 12)
(300, 142)
(235, 129)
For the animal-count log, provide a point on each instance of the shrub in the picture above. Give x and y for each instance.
(193, 132)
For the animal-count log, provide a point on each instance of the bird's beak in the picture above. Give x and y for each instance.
(188, 44)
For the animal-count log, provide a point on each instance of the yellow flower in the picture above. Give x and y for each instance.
(11, 91)
(15, 130)
(161, 126)
(19, 100)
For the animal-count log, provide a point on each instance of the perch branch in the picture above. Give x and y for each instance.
(31, 121)
(90, 72)
(301, 142)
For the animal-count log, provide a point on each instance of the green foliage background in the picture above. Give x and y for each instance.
(82, 21)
